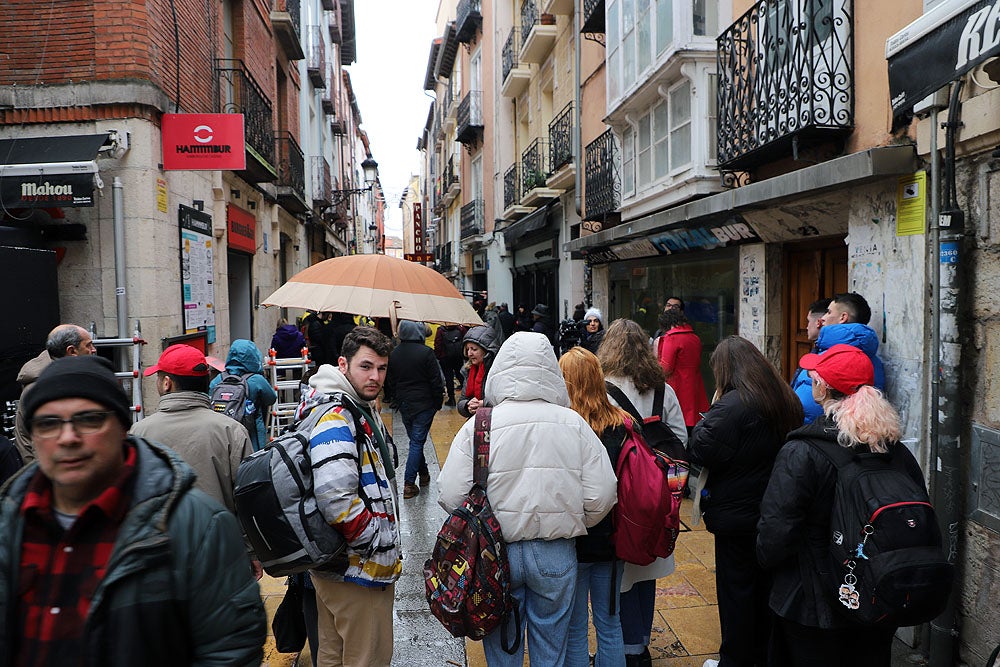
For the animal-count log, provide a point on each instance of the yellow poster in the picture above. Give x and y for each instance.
(161, 195)
(911, 204)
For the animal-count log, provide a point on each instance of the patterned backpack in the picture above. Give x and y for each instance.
(467, 577)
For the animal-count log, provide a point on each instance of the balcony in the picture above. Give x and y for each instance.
(329, 108)
(286, 18)
(470, 119)
(339, 215)
(602, 183)
(236, 91)
(786, 81)
(468, 21)
(316, 66)
(538, 33)
(450, 106)
(329, 5)
(444, 258)
(472, 219)
(338, 127)
(564, 7)
(593, 16)
(291, 174)
(322, 181)
(535, 174)
(512, 209)
(516, 76)
(451, 185)
(561, 151)
(333, 25)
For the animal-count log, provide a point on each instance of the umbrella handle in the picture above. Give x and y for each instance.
(393, 319)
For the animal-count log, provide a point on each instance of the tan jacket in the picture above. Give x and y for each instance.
(211, 443)
(26, 377)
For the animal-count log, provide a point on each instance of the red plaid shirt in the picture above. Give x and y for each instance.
(61, 569)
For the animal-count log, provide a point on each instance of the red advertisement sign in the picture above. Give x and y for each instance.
(203, 141)
(242, 228)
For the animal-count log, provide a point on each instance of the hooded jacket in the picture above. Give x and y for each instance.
(26, 377)
(856, 335)
(244, 358)
(413, 381)
(549, 474)
(484, 337)
(353, 488)
(211, 443)
(288, 341)
(178, 589)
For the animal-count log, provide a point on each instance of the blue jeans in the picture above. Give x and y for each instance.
(543, 581)
(417, 427)
(637, 615)
(601, 581)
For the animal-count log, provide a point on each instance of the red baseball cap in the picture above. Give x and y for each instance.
(843, 367)
(180, 359)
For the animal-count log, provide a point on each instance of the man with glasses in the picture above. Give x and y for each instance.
(66, 340)
(110, 555)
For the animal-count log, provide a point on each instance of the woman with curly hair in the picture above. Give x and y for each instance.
(629, 364)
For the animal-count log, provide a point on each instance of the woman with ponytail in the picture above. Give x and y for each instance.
(794, 527)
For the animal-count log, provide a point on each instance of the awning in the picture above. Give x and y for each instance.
(49, 171)
(837, 174)
(534, 221)
(939, 47)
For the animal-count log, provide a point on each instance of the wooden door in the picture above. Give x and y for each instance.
(812, 272)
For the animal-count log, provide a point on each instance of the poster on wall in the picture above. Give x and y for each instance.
(197, 272)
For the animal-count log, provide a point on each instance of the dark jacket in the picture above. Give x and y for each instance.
(794, 526)
(334, 332)
(288, 341)
(506, 322)
(591, 341)
(413, 381)
(483, 337)
(596, 545)
(178, 588)
(243, 359)
(738, 447)
(10, 459)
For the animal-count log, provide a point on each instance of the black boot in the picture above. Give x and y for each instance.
(641, 660)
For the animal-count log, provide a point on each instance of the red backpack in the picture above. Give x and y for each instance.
(647, 516)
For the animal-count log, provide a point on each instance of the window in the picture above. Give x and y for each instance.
(661, 140)
(664, 25)
(628, 42)
(475, 71)
(706, 17)
(713, 116)
(477, 179)
(644, 50)
(643, 150)
(614, 50)
(680, 125)
(628, 162)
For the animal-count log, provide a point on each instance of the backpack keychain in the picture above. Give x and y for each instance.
(848, 593)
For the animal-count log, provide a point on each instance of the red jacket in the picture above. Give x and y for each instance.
(679, 352)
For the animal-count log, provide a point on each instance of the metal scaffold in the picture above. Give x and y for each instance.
(286, 378)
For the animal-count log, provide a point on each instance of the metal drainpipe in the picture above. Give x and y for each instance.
(577, 49)
(947, 409)
(118, 215)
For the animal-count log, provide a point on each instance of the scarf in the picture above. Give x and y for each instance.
(474, 386)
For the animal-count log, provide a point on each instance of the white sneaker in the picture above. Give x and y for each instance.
(710, 663)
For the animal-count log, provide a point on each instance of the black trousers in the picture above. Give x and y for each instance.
(742, 588)
(452, 370)
(797, 645)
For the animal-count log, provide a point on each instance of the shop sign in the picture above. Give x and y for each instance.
(421, 257)
(242, 229)
(197, 272)
(679, 240)
(200, 141)
(418, 229)
(50, 190)
(479, 262)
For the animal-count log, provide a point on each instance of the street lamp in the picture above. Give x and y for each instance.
(370, 168)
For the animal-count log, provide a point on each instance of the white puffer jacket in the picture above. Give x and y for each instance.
(549, 475)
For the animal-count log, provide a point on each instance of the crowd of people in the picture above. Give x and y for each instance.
(123, 546)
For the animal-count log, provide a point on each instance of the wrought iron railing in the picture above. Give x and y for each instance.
(291, 164)
(561, 139)
(444, 257)
(451, 174)
(511, 48)
(534, 166)
(470, 118)
(322, 180)
(472, 219)
(785, 70)
(237, 92)
(334, 27)
(529, 17)
(316, 66)
(593, 16)
(603, 187)
(293, 8)
(467, 19)
(511, 187)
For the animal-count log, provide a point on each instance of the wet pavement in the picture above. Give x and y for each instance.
(685, 627)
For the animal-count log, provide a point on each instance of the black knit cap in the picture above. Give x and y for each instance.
(86, 376)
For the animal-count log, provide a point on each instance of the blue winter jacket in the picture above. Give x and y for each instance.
(860, 336)
(244, 357)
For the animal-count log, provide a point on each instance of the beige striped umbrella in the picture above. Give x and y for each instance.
(376, 286)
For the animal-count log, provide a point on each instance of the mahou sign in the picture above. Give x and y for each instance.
(203, 141)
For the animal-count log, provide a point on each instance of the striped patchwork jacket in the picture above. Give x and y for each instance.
(353, 490)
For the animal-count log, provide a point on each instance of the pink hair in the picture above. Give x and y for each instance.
(865, 417)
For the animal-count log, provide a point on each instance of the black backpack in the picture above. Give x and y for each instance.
(887, 565)
(231, 397)
(452, 343)
(657, 434)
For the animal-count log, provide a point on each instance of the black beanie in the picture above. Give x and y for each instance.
(85, 376)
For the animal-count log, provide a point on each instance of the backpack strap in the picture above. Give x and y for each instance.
(658, 396)
(481, 441)
(623, 401)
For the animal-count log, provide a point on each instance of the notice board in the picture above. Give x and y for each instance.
(197, 271)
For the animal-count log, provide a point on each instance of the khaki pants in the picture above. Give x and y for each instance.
(355, 624)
